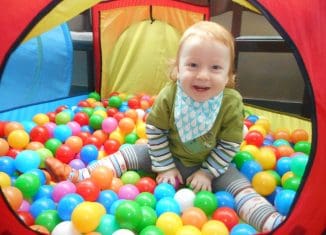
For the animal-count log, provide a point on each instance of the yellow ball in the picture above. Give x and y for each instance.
(87, 216)
(91, 101)
(286, 176)
(141, 130)
(4, 180)
(266, 158)
(252, 149)
(188, 230)
(258, 128)
(18, 139)
(264, 183)
(264, 123)
(40, 119)
(101, 112)
(169, 223)
(117, 135)
(214, 227)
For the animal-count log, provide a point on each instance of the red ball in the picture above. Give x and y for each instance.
(65, 153)
(118, 116)
(134, 103)
(51, 116)
(82, 118)
(83, 103)
(84, 135)
(13, 152)
(2, 128)
(93, 140)
(26, 217)
(40, 134)
(227, 215)
(146, 184)
(112, 111)
(248, 123)
(111, 146)
(61, 108)
(88, 190)
(254, 138)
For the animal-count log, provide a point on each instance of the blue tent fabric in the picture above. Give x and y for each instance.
(38, 70)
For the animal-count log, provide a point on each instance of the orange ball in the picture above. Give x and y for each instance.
(102, 176)
(132, 113)
(34, 145)
(75, 143)
(126, 125)
(285, 150)
(282, 134)
(299, 135)
(40, 229)
(4, 147)
(101, 135)
(194, 216)
(116, 184)
(12, 126)
(14, 196)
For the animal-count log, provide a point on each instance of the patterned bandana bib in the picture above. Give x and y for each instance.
(192, 118)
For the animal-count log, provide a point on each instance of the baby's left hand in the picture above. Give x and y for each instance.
(200, 180)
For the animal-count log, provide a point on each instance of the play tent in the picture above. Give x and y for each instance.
(301, 23)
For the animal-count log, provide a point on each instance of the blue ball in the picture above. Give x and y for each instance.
(167, 204)
(250, 168)
(44, 191)
(40, 174)
(283, 165)
(283, 201)
(280, 142)
(107, 198)
(40, 205)
(271, 197)
(243, 229)
(86, 128)
(252, 118)
(7, 165)
(62, 132)
(88, 153)
(28, 125)
(27, 160)
(67, 204)
(225, 199)
(164, 190)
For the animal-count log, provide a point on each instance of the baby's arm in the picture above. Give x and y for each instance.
(162, 160)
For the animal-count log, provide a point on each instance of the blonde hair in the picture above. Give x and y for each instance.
(212, 30)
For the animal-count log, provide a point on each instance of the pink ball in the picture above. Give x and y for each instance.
(109, 124)
(128, 191)
(61, 189)
(74, 126)
(24, 206)
(50, 126)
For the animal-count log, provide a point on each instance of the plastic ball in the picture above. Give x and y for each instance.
(292, 183)
(151, 230)
(4, 147)
(131, 138)
(107, 198)
(48, 218)
(283, 201)
(40, 175)
(65, 227)
(128, 191)
(298, 164)
(252, 149)
(88, 153)
(81, 118)
(283, 165)
(302, 146)
(188, 229)
(116, 184)
(123, 232)
(87, 216)
(145, 184)
(62, 132)
(299, 135)
(61, 189)
(285, 150)
(75, 143)
(14, 196)
(67, 204)
(26, 217)
(227, 215)
(108, 225)
(115, 101)
(5, 180)
(27, 160)
(40, 205)
(264, 183)
(74, 126)
(194, 216)
(7, 165)
(282, 134)
(95, 121)
(40, 119)
(62, 118)
(167, 204)
(250, 168)
(264, 123)
(214, 227)
(141, 130)
(259, 129)
(225, 199)
(44, 191)
(130, 177)
(102, 177)
(266, 158)
(28, 184)
(118, 136)
(280, 142)
(206, 201)
(243, 229)
(18, 139)
(64, 153)
(148, 217)
(276, 176)
(52, 144)
(185, 198)
(126, 125)
(88, 190)
(286, 176)
(169, 223)
(34, 145)
(111, 146)
(254, 137)
(146, 199)
(252, 118)
(164, 190)
(128, 215)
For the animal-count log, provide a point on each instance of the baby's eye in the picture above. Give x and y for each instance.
(192, 65)
(216, 67)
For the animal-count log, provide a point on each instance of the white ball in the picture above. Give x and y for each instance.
(244, 131)
(185, 198)
(66, 228)
(123, 232)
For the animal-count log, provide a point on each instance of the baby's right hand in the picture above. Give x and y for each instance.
(169, 176)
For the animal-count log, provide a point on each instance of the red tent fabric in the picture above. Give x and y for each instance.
(303, 23)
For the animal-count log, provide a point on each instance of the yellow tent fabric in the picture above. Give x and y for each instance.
(63, 12)
(123, 70)
(246, 4)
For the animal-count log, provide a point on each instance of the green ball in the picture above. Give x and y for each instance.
(298, 164)
(146, 199)
(276, 176)
(241, 157)
(128, 215)
(53, 144)
(94, 95)
(303, 147)
(89, 111)
(131, 138)
(44, 153)
(95, 121)
(292, 183)
(28, 184)
(108, 224)
(49, 219)
(115, 101)
(130, 177)
(151, 230)
(148, 217)
(62, 118)
(206, 201)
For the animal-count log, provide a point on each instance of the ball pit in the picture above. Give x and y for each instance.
(274, 161)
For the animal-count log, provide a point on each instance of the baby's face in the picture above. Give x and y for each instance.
(203, 67)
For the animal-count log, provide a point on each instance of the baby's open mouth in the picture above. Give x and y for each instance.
(200, 88)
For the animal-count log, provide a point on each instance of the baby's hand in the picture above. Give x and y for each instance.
(169, 176)
(200, 180)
